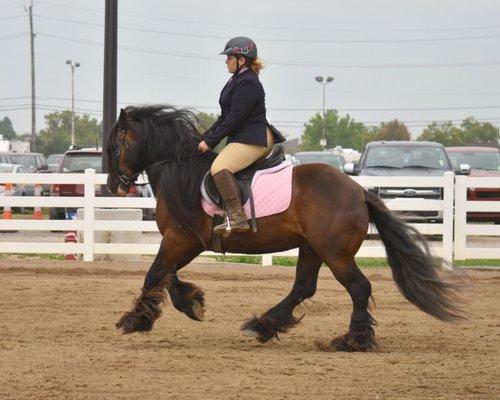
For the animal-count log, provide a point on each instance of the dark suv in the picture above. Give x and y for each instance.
(75, 161)
(406, 158)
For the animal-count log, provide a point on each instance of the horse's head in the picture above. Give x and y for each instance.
(146, 137)
(123, 155)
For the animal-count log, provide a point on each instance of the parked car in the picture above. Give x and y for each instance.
(332, 158)
(18, 189)
(484, 162)
(406, 158)
(53, 160)
(77, 161)
(74, 161)
(148, 214)
(34, 162)
(5, 158)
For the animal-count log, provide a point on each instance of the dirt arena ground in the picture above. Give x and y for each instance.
(58, 341)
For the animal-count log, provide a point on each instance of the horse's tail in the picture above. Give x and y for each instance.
(418, 274)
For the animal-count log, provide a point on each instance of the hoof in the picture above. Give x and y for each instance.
(345, 343)
(263, 328)
(132, 322)
(198, 311)
(250, 333)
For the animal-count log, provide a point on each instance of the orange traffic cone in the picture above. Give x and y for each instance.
(7, 211)
(37, 211)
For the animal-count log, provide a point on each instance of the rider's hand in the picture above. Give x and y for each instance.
(203, 147)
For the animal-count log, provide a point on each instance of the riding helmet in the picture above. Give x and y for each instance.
(241, 45)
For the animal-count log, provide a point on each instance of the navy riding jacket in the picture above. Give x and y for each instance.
(243, 112)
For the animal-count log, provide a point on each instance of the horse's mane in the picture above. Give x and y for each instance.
(165, 132)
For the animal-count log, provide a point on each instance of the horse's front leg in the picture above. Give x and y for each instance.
(187, 298)
(173, 255)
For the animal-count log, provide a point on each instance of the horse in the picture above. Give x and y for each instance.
(327, 220)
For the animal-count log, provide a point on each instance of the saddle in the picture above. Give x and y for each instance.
(244, 177)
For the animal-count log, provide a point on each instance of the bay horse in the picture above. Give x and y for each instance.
(327, 220)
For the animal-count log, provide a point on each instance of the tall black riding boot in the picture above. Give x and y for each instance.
(228, 190)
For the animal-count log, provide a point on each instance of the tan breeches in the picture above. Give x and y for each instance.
(237, 156)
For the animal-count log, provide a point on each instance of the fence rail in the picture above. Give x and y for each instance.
(453, 228)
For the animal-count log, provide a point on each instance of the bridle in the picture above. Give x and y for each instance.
(129, 180)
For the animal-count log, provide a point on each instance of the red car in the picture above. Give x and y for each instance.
(77, 161)
(74, 161)
(484, 162)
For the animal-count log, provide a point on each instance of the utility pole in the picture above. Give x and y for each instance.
(110, 61)
(323, 82)
(33, 105)
(73, 66)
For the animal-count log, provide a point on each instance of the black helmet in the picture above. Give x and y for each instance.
(241, 45)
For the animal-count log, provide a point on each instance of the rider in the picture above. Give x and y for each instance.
(243, 122)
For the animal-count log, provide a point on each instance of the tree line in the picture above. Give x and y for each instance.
(346, 132)
(343, 131)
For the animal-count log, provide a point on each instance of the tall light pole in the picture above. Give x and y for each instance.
(323, 82)
(73, 66)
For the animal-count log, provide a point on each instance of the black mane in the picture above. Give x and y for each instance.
(165, 132)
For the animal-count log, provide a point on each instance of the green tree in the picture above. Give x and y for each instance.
(6, 129)
(470, 133)
(205, 120)
(339, 131)
(475, 133)
(445, 133)
(392, 130)
(56, 136)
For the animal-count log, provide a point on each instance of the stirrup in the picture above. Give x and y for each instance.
(228, 227)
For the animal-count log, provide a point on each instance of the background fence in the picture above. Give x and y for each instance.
(453, 229)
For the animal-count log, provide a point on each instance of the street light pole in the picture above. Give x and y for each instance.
(73, 66)
(323, 82)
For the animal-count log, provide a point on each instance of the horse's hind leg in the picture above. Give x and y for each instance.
(280, 318)
(360, 336)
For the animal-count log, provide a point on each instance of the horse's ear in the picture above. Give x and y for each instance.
(123, 119)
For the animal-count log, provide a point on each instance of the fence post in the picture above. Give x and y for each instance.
(448, 197)
(89, 215)
(267, 260)
(460, 217)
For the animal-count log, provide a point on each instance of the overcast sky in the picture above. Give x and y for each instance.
(415, 60)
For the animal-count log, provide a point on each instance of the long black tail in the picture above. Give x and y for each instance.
(419, 276)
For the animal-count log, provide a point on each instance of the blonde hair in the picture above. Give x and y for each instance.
(257, 65)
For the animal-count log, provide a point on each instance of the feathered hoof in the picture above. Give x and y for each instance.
(133, 322)
(346, 343)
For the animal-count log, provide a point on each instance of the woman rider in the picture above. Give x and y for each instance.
(243, 122)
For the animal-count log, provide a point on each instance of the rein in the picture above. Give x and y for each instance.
(130, 179)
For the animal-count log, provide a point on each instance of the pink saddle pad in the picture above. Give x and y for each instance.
(271, 188)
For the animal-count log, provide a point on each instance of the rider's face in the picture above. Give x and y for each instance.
(232, 64)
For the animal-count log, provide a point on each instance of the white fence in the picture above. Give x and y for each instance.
(464, 229)
(446, 248)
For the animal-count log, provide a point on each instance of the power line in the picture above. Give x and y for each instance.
(22, 34)
(284, 124)
(275, 27)
(10, 4)
(315, 109)
(11, 17)
(278, 40)
(284, 63)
